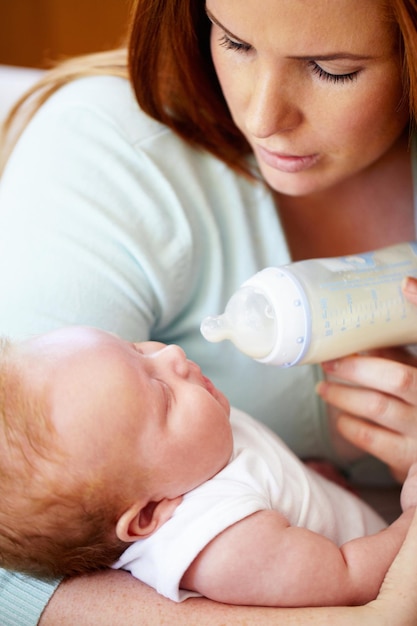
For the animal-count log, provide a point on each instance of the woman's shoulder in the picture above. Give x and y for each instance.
(110, 98)
(102, 111)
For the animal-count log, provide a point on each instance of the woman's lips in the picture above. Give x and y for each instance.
(288, 163)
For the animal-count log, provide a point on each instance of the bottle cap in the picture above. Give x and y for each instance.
(267, 318)
(292, 313)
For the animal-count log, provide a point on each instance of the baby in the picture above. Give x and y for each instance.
(123, 454)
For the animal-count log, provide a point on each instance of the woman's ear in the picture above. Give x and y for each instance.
(140, 521)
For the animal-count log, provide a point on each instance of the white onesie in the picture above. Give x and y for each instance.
(262, 473)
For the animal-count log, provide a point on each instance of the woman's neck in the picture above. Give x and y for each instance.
(371, 210)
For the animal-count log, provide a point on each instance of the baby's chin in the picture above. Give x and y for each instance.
(219, 396)
(225, 404)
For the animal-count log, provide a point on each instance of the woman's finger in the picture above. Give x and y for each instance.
(390, 377)
(386, 410)
(409, 289)
(397, 451)
(404, 355)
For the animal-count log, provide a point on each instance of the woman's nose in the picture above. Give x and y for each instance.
(273, 106)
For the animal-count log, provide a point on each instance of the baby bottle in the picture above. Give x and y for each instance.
(320, 309)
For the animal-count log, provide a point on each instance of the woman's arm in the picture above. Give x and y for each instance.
(117, 599)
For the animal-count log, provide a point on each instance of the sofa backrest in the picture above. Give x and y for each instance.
(13, 83)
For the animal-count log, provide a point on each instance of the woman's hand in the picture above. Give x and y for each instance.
(376, 395)
(378, 410)
(396, 602)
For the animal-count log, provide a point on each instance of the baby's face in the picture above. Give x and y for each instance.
(129, 409)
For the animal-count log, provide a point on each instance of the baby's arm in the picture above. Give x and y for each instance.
(264, 561)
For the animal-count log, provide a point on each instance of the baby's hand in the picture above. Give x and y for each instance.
(409, 490)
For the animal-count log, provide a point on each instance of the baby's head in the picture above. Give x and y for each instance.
(101, 437)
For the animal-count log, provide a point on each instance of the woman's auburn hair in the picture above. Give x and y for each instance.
(174, 78)
(170, 67)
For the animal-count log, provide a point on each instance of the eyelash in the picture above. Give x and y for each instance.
(333, 78)
(230, 44)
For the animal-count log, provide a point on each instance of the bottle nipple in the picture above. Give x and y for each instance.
(248, 322)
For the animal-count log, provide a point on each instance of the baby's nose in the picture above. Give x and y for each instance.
(178, 360)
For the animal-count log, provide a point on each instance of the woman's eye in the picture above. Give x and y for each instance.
(333, 78)
(231, 44)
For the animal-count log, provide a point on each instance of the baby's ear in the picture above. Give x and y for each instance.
(140, 521)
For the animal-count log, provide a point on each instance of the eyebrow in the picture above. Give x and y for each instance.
(214, 21)
(317, 57)
(334, 56)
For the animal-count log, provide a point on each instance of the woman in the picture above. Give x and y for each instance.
(274, 135)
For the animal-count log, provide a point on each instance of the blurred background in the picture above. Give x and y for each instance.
(35, 33)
